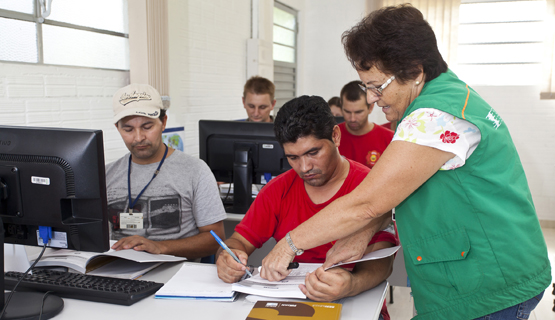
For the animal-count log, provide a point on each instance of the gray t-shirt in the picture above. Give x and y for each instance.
(182, 197)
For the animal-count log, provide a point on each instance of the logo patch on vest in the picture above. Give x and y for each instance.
(495, 118)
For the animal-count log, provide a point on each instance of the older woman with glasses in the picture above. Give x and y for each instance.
(472, 242)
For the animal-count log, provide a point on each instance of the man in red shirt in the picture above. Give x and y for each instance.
(361, 140)
(305, 127)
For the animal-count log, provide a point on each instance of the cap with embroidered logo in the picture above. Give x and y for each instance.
(136, 100)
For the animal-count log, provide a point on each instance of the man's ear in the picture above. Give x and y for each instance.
(336, 135)
(243, 100)
(164, 121)
(274, 103)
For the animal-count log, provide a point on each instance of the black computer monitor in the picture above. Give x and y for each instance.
(240, 152)
(52, 177)
(339, 120)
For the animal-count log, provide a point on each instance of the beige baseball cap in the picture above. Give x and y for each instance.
(136, 100)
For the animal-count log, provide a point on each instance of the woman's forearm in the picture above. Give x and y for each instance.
(402, 168)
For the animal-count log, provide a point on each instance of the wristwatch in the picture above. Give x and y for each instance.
(298, 252)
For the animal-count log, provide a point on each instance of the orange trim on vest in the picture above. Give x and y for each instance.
(465, 103)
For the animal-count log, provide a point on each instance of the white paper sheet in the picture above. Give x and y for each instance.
(298, 275)
(374, 255)
(196, 281)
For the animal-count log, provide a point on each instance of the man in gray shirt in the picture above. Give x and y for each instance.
(160, 200)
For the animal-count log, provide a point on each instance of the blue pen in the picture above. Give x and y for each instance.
(223, 245)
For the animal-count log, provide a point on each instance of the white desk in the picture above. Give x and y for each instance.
(364, 306)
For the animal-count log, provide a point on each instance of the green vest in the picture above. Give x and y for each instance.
(471, 238)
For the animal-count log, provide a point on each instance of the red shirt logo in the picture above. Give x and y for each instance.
(372, 157)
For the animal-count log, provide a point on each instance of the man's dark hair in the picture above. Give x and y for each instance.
(396, 40)
(334, 101)
(302, 117)
(162, 114)
(352, 92)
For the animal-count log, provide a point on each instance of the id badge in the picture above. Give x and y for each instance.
(131, 220)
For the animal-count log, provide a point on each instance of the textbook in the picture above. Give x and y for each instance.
(124, 264)
(290, 310)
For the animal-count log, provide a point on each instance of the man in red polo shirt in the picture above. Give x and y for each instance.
(306, 129)
(361, 140)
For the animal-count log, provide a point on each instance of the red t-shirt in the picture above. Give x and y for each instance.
(366, 148)
(283, 204)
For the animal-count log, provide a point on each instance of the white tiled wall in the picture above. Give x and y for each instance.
(53, 96)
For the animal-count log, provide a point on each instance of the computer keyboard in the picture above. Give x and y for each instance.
(82, 286)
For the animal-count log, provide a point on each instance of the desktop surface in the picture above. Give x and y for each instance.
(364, 306)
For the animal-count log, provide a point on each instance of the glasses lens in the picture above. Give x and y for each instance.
(363, 88)
(376, 91)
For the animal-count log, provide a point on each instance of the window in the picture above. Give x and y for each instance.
(285, 53)
(75, 33)
(501, 42)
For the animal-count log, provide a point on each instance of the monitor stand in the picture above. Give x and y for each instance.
(26, 305)
(242, 181)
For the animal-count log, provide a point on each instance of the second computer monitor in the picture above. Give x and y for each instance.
(240, 152)
(339, 120)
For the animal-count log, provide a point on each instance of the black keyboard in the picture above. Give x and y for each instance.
(82, 286)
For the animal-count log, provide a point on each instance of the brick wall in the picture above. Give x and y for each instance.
(208, 48)
(208, 70)
(52, 96)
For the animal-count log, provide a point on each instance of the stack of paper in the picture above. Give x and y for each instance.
(197, 281)
(286, 288)
(289, 286)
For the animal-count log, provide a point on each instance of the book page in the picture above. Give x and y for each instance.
(123, 269)
(295, 277)
(142, 256)
(298, 275)
(80, 260)
(374, 255)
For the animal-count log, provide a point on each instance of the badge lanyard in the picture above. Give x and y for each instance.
(133, 203)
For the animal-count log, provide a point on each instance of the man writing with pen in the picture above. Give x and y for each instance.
(305, 127)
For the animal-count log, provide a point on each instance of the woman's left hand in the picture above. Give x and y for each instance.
(347, 249)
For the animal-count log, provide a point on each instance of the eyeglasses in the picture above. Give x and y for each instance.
(377, 91)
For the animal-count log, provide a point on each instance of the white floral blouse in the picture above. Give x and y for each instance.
(440, 130)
